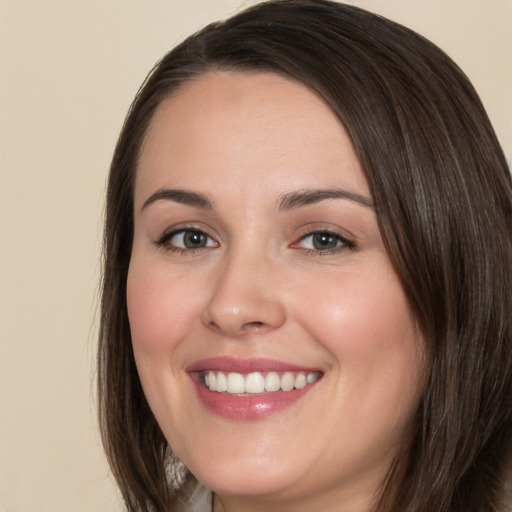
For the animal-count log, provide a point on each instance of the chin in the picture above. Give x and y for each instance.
(247, 477)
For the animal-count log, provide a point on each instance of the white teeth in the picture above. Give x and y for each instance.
(236, 383)
(221, 384)
(300, 381)
(311, 377)
(287, 381)
(272, 382)
(254, 383)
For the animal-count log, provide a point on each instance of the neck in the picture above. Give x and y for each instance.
(328, 502)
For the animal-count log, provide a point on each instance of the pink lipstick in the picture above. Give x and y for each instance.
(250, 389)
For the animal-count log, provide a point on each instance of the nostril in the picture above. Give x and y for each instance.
(254, 325)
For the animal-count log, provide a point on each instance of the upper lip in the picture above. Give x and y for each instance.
(237, 365)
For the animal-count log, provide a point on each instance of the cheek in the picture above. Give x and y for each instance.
(357, 306)
(364, 321)
(366, 326)
(161, 307)
(162, 313)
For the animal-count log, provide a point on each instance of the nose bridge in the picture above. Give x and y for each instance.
(245, 296)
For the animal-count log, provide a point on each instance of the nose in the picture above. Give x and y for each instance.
(245, 297)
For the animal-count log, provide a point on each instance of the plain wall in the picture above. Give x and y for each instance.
(68, 71)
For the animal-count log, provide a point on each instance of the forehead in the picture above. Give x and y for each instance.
(247, 128)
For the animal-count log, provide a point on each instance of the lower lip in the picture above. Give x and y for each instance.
(249, 407)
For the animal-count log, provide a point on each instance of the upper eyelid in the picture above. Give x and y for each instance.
(307, 230)
(326, 231)
(319, 227)
(344, 239)
(168, 234)
(199, 227)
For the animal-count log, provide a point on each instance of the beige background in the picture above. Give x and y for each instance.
(68, 71)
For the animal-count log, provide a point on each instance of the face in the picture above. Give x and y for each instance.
(272, 336)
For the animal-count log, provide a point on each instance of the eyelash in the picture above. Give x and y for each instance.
(343, 243)
(164, 241)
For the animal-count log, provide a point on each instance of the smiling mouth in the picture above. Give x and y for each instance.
(257, 383)
(250, 389)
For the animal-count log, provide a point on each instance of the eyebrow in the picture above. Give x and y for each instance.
(306, 197)
(179, 196)
(287, 201)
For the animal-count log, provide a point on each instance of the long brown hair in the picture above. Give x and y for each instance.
(443, 196)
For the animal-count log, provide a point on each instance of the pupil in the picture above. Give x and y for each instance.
(324, 241)
(194, 239)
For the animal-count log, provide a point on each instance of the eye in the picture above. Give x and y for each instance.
(324, 241)
(186, 239)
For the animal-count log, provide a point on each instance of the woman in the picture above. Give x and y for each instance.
(308, 264)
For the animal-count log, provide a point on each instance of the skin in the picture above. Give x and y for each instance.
(261, 288)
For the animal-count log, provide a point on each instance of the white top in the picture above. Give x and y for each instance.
(199, 501)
